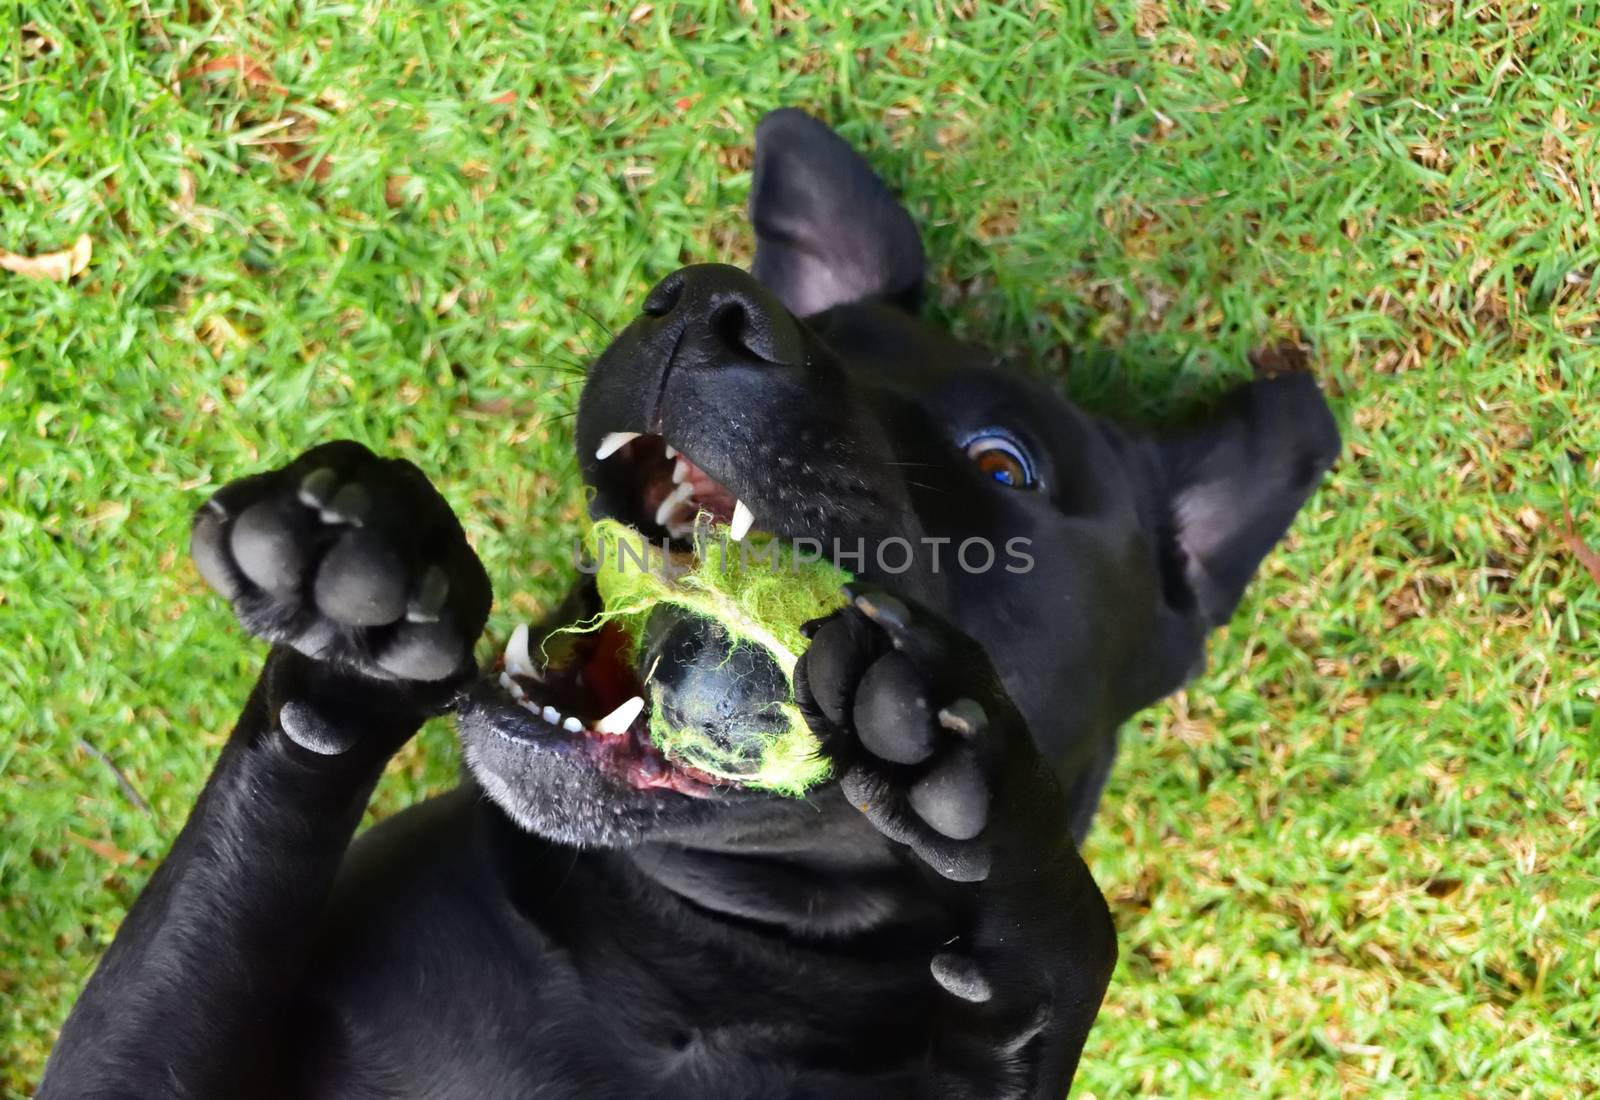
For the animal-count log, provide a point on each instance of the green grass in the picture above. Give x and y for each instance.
(1357, 857)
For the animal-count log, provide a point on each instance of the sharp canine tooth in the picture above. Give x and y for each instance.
(517, 659)
(572, 725)
(680, 470)
(612, 443)
(674, 498)
(620, 719)
(672, 452)
(512, 686)
(551, 715)
(743, 518)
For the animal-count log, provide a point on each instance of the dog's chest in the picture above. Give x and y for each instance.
(446, 987)
(572, 1028)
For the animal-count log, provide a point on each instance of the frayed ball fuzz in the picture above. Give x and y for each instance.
(715, 637)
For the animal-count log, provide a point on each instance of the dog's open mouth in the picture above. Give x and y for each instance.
(581, 688)
(662, 491)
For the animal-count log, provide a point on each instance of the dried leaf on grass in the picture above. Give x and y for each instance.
(35, 42)
(57, 266)
(251, 71)
(105, 850)
(1567, 532)
(394, 189)
(292, 147)
(1280, 359)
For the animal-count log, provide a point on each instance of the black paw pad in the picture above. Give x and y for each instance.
(302, 724)
(893, 717)
(959, 976)
(362, 580)
(423, 651)
(840, 647)
(352, 560)
(208, 548)
(271, 544)
(953, 797)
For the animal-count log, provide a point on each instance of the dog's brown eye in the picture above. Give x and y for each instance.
(1002, 460)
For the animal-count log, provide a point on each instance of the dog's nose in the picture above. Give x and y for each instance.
(726, 316)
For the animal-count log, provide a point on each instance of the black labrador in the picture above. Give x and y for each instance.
(584, 917)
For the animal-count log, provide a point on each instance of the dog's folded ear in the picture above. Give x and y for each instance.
(828, 231)
(1235, 482)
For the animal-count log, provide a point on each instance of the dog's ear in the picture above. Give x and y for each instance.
(1236, 481)
(828, 231)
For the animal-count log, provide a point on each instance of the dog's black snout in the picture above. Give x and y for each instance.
(726, 316)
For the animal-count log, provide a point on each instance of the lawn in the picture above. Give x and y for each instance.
(1359, 856)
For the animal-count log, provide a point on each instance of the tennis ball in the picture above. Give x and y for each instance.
(715, 637)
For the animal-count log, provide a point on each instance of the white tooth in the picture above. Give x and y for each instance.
(572, 725)
(512, 686)
(552, 715)
(612, 443)
(680, 470)
(672, 452)
(620, 719)
(670, 505)
(743, 518)
(517, 659)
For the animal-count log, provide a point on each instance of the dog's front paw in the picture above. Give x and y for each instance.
(354, 562)
(932, 751)
(922, 732)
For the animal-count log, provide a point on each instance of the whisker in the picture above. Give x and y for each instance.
(577, 365)
(557, 368)
(601, 325)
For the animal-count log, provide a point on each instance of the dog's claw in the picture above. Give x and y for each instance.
(965, 717)
(351, 505)
(887, 611)
(317, 487)
(430, 597)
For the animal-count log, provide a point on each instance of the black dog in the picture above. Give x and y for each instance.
(585, 918)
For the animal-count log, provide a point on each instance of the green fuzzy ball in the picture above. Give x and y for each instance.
(759, 592)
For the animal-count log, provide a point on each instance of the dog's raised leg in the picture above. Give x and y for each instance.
(358, 572)
(933, 753)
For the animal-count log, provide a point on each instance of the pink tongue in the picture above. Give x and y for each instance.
(709, 493)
